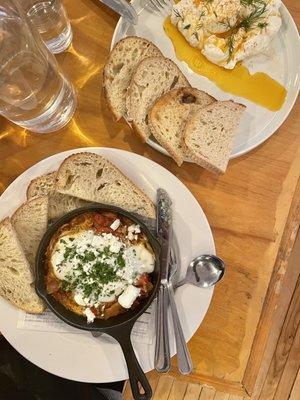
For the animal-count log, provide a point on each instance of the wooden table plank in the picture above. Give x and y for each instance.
(207, 393)
(193, 391)
(178, 390)
(288, 340)
(295, 394)
(235, 397)
(221, 396)
(163, 388)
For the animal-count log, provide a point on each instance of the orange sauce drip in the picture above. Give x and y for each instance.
(259, 88)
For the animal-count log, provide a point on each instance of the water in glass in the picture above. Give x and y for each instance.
(33, 91)
(51, 20)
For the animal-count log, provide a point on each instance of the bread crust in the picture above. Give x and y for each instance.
(137, 71)
(59, 186)
(105, 78)
(198, 157)
(175, 96)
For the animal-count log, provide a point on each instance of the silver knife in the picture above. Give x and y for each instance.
(162, 360)
(126, 10)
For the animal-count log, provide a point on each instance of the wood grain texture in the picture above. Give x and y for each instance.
(221, 396)
(192, 391)
(171, 388)
(295, 394)
(207, 393)
(178, 390)
(163, 388)
(247, 208)
(277, 303)
(286, 359)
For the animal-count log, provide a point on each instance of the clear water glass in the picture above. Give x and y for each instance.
(34, 93)
(51, 20)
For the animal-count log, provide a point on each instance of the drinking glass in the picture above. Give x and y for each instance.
(51, 20)
(34, 93)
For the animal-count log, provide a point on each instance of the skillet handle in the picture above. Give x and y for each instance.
(139, 383)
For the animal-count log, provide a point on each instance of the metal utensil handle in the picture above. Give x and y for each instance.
(162, 360)
(184, 361)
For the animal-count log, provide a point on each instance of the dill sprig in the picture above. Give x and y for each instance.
(177, 13)
(251, 2)
(262, 24)
(253, 18)
(230, 44)
(196, 35)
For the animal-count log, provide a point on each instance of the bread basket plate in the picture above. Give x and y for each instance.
(282, 64)
(81, 357)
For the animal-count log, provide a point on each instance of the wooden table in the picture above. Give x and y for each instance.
(253, 209)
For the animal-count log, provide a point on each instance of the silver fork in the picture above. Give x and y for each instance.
(160, 7)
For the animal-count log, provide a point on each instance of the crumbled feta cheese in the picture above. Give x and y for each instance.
(90, 315)
(126, 299)
(133, 231)
(115, 225)
(77, 255)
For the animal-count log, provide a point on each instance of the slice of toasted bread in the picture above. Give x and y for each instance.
(210, 133)
(152, 78)
(168, 117)
(30, 222)
(16, 281)
(59, 204)
(125, 55)
(92, 177)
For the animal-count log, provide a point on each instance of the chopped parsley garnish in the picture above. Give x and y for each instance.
(92, 270)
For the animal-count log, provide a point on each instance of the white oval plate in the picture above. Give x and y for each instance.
(81, 357)
(282, 64)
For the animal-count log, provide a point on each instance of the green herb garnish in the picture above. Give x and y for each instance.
(254, 17)
(177, 13)
(230, 44)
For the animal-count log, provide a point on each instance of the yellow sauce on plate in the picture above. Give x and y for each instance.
(258, 88)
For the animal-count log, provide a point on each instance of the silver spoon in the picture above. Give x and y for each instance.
(204, 271)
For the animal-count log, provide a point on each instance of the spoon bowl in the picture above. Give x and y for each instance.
(204, 271)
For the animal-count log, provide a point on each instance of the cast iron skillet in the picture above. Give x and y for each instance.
(118, 327)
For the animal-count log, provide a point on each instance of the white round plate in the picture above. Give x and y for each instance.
(282, 64)
(81, 357)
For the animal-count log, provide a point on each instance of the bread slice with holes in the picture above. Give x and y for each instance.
(16, 278)
(151, 79)
(124, 57)
(210, 133)
(59, 204)
(30, 222)
(168, 117)
(94, 178)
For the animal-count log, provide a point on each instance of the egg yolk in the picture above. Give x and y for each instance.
(258, 88)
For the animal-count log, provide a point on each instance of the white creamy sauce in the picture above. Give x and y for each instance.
(128, 296)
(250, 27)
(79, 258)
(89, 315)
